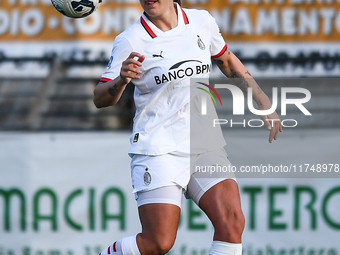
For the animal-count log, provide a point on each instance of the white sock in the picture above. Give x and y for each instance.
(125, 246)
(224, 248)
(129, 246)
(113, 249)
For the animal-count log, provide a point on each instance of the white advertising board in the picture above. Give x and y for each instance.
(70, 194)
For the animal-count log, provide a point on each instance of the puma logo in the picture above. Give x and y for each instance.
(158, 55)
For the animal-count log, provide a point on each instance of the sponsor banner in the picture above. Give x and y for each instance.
(239, 20)
(281, 38)
(33, 20)
(280, 20)
(70, 193)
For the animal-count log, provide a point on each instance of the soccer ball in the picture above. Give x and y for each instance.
(76, 8)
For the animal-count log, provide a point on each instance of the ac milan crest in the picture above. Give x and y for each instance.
(147, 177)
(200, 43)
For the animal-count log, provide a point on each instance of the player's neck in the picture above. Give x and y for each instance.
(167, 20)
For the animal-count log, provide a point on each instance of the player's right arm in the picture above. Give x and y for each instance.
(109, 93)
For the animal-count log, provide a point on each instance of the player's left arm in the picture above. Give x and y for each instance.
(233, 68)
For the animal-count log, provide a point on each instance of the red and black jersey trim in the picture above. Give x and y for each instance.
(221, 52)
(149, 30)
(185, 17)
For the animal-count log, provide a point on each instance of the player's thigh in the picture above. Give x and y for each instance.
(222, 204)
(216, 194)
(221, 198)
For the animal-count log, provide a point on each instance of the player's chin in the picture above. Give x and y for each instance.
(151, 12)
(149, 5)
(151, 8)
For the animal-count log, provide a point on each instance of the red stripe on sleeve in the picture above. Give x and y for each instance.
(103, 79)
(221, 52)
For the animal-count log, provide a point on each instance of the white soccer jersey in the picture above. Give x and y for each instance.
(162, 95)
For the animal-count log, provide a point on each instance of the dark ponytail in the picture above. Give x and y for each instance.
(178, 1)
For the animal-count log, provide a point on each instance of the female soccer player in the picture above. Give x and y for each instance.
(160, 54)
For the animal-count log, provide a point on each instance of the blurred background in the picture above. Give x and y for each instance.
(64, 170)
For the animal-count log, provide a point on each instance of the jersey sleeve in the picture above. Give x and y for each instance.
(120, 52)
(218, 45)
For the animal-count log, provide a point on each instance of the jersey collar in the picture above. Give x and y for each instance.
(153, 31)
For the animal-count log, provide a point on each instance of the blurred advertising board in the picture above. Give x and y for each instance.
(291, 37)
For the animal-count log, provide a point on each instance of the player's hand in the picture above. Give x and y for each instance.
(273, 124)
(130, 67)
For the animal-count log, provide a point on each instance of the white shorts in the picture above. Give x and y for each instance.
(173, 194)
(150, 174)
